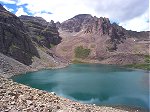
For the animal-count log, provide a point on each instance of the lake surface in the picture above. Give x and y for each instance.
(95, 83)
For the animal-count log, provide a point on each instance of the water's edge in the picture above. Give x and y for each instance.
(117, 107)
(12, 87)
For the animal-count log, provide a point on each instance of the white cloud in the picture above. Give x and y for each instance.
(9, 9)
(61, 10)
(125, 12)
(119, 10)
(20, 12)
(8, 1)
(137, 24)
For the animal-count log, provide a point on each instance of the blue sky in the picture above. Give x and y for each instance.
(131, 14)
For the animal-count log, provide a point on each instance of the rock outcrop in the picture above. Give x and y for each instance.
(14, 40)
(44, 33)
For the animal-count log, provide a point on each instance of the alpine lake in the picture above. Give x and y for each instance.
(93, 84)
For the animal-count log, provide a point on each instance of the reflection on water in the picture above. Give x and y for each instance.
(98, 84)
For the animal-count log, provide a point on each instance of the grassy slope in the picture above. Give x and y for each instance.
(144, 66)
(76, 61)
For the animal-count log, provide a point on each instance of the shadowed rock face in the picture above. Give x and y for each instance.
(14, 40)
(44, 33)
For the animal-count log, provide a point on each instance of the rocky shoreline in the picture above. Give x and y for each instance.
(16, 97)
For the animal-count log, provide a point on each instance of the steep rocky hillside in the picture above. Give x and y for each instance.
(14, 40)
(10, 66)
(42, 32)
(105, 41)
(20, 49)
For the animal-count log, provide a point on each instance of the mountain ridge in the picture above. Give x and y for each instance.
(109, 39)
(37, 44)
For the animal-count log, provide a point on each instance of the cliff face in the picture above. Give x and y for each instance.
(14, 40)
(44, 33)
(104, 39)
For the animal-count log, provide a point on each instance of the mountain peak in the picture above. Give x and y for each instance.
(87, 23)
(83, 16)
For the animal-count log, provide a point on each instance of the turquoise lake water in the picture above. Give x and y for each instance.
(94, 84)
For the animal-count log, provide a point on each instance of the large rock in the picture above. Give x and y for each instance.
(14, 40)
(44, 33)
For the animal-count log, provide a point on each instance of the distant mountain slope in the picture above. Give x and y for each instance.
(105, 40)
(42, 32)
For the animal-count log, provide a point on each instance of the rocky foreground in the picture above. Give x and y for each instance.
(16, 97)
(25, 46)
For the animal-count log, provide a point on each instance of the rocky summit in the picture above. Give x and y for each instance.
(105, 40)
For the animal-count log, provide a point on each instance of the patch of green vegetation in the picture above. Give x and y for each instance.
(77, 62)
(52, 45)
(144, 66)
(81, 52)
(46, 30)
(33, 23)
(39, 37)
(139, 66)
(13, 46)
(147, 59)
